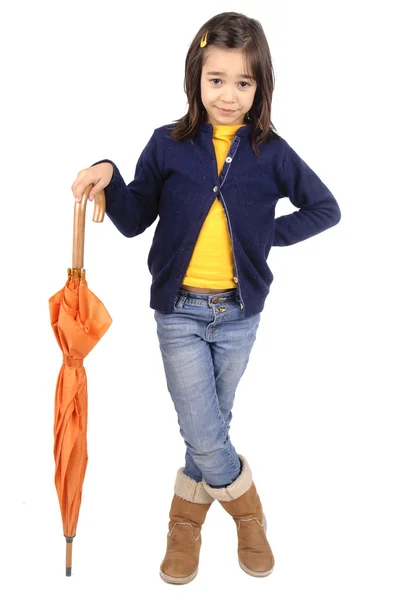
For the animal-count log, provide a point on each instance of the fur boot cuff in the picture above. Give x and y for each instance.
(236, 488)
(187, 488)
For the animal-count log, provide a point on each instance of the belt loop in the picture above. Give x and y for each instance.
(181, 298)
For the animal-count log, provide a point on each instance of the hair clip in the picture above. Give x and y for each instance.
(203, 41)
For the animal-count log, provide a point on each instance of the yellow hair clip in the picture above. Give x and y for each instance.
(203, 41)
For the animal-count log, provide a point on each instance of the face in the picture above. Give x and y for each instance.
(227, 86)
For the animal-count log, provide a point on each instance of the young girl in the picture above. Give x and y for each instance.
(214, 178)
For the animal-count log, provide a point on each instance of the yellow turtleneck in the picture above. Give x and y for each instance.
(212, 262)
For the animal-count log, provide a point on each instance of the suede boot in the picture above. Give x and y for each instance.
(241, 500)
(187, 515)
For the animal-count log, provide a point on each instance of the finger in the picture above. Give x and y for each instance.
(95, 190)
(77, 187)
(78, 192)
(78, 198)
(75, 192)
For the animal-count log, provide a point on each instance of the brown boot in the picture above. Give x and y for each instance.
(242, 502)
(187, 515)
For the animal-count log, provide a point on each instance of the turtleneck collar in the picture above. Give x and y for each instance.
(241, 131)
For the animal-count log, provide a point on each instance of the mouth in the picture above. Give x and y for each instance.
(225, 111)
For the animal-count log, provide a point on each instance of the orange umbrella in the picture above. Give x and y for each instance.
(79, 320)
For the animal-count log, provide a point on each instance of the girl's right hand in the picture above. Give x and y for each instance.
(100, 175)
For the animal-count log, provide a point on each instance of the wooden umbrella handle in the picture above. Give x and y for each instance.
(79, 223)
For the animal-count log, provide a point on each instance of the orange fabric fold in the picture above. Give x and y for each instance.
(79, 320)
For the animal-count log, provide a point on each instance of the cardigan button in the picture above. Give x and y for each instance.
(228, 159)
(215, 189)
(236, 279)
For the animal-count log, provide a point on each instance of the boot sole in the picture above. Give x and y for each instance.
(254, 573)
(171, 579)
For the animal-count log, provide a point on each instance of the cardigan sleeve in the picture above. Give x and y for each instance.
(134, 207)
(318, 209)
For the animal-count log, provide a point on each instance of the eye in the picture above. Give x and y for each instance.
(243, 84)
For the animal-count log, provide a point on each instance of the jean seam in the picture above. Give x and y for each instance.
(230, 458)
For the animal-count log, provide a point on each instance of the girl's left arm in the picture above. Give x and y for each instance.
(318, 209)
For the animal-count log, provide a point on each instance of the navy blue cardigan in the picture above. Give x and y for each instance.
(178, 182)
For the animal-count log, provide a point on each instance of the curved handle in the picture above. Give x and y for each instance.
(79, 223)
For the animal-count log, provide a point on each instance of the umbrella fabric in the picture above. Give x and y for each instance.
(79, 320)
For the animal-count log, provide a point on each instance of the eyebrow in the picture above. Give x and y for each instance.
(243, 75)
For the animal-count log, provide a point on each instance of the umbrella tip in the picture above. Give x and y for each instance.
(68, 571)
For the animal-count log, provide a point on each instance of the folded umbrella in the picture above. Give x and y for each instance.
(79, 320)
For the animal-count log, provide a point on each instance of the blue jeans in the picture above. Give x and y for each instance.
(205, 345)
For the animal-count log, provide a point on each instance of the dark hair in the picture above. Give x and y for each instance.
(230, 30)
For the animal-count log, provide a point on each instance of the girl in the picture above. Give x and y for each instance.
(213, 178)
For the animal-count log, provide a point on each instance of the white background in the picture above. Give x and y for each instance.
(316, 412)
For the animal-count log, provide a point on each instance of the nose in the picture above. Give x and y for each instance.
(227, 95)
